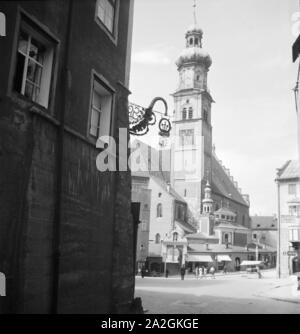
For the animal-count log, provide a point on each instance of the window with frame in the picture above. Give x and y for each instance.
(292, 189)
(184, 113)
(190, 113)
(106, 13)
(101, 108)
(294, 234)
(186, 137)
(157, 238)
(34, 64)
(159, 210)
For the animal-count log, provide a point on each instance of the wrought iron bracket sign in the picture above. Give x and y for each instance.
(141, 118)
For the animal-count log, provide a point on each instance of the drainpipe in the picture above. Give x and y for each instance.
(59, 166)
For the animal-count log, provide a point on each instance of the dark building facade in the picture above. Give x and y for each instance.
(66, 230)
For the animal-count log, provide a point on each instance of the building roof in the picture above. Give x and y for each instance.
(225, 211)
(223, 185)
(290, 170)
(217, 248)
(263, 223)
(201, 236)
(233, 226)
(186, 227)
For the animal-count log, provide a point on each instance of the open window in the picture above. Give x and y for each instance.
(34, 64)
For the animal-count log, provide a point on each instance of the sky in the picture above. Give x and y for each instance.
(251, 80)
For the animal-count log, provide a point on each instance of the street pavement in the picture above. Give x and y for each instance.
(226, 294)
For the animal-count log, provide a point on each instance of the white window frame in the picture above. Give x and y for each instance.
(112, 34)
(47, 67)
(99, 84)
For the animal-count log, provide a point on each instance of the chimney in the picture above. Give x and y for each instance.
(207, 246)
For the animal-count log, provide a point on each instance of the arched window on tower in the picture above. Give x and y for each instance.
(175, 237)
(191, 41)
(157, 238)
(184, 114)
(196, 41)
(190, 113)
(159, 210)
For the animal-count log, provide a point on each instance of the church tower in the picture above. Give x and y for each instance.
(192, 130)
(207, 202)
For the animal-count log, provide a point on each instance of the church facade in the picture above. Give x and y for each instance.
(194, 161)
(215, 229)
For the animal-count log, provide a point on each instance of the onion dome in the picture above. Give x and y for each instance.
(194, 29)
(194, 53)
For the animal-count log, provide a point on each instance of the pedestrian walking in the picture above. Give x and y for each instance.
(197, 272)
(167, 273)
(182, 273)
(143, 271)
(204, 272)
(258, 272)
(212, 272)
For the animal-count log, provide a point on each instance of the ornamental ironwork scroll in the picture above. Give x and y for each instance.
(141, 118)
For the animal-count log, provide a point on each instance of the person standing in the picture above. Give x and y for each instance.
(204, 271)
(167, 273)
(143, 272)
(182, 273)
(258, 272)
(212, 272)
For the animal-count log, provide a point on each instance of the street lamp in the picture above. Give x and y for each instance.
(141, 118)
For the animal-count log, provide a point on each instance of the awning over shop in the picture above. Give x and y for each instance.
(223, 258)
(199, 258)
(251, 263)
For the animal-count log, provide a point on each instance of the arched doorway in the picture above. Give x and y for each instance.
(237, 264)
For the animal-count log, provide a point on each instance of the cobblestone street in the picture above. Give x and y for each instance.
(223, 295)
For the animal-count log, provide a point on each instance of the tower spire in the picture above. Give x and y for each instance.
(195, 17)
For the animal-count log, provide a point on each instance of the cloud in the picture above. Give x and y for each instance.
(150, 57)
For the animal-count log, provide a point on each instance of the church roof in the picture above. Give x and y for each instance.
(186, 226)
(225, 211)
(223, 185)
(290, 170)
